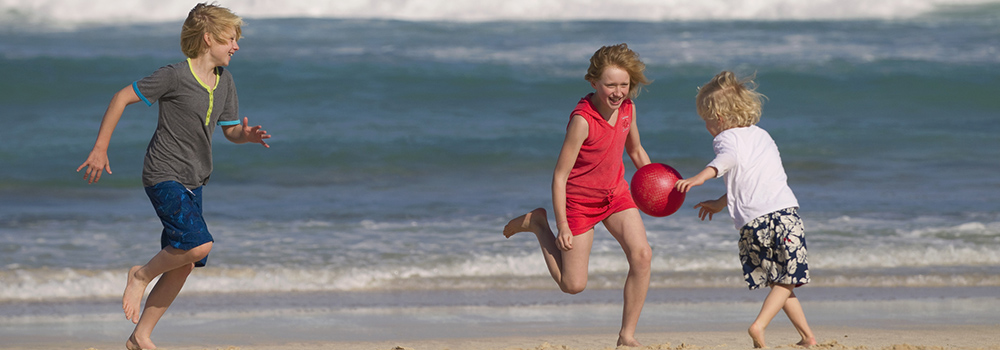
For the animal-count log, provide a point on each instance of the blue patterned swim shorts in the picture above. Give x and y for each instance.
(179, 210)
(773, 250)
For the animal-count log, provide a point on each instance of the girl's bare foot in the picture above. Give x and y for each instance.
(133, 344)
(757, 334)
(132, 298)
(629, 342)
(525, 223)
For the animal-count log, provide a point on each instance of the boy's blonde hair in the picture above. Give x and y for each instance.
(733, 99)
(207, 18)
(622, 57)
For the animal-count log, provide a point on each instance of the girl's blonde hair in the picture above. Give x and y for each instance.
(207, 18)
(622, 57)
(734, 100)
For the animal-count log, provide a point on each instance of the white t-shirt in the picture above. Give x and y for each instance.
(748, 160)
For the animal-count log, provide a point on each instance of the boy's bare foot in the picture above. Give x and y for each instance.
(133, 344)
(628, 342)
(757, 334)
(525, 223)
(132, 298)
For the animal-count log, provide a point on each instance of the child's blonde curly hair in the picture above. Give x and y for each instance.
(733, 100)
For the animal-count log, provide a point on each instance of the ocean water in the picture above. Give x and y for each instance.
(406, 134)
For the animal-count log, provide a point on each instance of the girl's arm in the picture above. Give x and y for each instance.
(576, 133)
(242, 133)
(632, 145)
(97, 162)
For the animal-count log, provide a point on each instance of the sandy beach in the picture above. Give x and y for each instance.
(834, 338)
(842, 318)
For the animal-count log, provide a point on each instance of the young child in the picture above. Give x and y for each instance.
(194, 95)
(772, 239)
(588, 185)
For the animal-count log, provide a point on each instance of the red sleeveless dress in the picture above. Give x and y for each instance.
(596, 187)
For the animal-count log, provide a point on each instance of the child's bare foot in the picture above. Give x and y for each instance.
(134, 344)
(807, 342)
(629, 342)
(757, 334)
(525, 223)
(132, 298)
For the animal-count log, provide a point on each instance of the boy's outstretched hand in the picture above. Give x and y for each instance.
(254, 134)
(97, 162)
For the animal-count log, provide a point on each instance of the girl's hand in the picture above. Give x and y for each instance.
(564, 240)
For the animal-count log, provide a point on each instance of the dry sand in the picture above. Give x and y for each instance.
(936, 337)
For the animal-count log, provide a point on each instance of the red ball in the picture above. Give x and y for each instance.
(653, 190)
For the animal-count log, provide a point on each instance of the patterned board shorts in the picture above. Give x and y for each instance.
(773, 250)
(180, 212)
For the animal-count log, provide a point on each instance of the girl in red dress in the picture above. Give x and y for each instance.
(588, 185)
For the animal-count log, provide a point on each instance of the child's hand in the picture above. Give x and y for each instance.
(684, 185)
(709, 208)
(564, 241)
(255, 134)
(96, 164)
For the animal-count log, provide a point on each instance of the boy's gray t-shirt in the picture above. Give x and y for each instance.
(181, 147)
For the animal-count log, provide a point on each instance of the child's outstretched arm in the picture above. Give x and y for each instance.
(684, 185)
(97, 162)
(706, 208)
(243, 133)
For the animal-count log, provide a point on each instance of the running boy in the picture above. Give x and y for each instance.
(194, 95)
(588, 185)
(772, 238)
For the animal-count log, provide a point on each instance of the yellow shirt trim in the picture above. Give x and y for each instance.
(211, 90)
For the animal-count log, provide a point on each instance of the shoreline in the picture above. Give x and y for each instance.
(842, 318)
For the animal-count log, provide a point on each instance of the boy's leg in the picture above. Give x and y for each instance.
(569, 268)
(798, 317)
(626, 226)
(167, 259)
(160, 298)
(774, 302)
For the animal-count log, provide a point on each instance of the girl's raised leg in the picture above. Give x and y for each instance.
(568, 268)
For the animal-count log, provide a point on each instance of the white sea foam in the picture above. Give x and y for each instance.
(913, 266)
(72, 12)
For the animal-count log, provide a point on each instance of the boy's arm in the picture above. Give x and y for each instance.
(684, 185)
(97, 162)
(241, 133)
